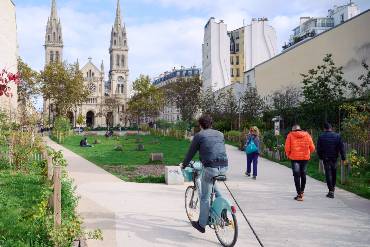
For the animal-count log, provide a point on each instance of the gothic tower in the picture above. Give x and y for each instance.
(118, 50)
(53, 37)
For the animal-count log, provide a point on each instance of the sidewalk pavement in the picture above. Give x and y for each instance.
(131, 214)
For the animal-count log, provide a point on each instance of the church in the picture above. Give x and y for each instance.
(107, 102)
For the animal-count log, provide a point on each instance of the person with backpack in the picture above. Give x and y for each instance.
(298, 148)
(252, 145)
(329, 145)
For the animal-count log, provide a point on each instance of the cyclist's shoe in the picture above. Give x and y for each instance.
(196, 225)
(254, 177)
(247, 174)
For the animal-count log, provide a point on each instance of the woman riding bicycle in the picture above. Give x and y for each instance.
(211, 146)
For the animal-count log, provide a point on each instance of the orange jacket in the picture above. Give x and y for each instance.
(299, 145)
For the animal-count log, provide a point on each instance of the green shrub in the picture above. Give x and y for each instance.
(62, 124)
(118, 148)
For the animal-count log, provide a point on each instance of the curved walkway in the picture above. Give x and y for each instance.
(132, 214)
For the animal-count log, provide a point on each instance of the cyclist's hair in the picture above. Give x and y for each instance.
(205, 121)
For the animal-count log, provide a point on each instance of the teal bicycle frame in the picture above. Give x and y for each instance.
(219, 204)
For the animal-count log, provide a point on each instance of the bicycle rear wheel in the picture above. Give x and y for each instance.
(192, 203)
(227, 229)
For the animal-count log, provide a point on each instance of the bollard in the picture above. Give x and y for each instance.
(57, 196)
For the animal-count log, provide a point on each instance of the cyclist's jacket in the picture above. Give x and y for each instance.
(211, 146)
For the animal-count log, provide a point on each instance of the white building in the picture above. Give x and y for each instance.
(215, 55)
(8, 53)
(312, 26)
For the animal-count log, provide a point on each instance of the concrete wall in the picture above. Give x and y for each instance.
(349, 43)
(260, 43)
(216, 55)
(8, 51)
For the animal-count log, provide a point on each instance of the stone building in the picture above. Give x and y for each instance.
(107, 102)
(169, 111)
(8, 53)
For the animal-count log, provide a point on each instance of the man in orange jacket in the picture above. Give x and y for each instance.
(299, 147)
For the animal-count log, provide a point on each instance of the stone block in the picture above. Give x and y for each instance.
(156, 157)
(173, 175)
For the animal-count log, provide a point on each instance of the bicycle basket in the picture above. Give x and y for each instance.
(188, 174)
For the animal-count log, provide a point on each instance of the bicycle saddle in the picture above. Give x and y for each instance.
(220, 178)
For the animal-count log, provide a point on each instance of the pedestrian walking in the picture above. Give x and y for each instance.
(329, 146)
(298, 148)
(252, 146)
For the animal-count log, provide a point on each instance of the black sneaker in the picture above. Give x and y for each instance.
(330, 195)
(196, 225)
(247, 174)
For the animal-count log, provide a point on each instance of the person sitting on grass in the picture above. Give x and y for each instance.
(84, 143)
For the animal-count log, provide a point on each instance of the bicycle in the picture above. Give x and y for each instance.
(222, 216)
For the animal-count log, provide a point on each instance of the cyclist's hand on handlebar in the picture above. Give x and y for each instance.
(182, 166)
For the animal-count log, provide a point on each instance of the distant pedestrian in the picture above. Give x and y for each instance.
(252, 146)
(299, 147)
(329, 145)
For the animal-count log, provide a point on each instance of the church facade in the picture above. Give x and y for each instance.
(107, 102)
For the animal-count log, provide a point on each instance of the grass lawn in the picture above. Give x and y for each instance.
(21, 223)
(129, 158)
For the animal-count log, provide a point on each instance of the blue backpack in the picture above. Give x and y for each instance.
(251, 147)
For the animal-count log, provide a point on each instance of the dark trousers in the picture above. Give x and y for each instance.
(299, 168)
(252, 158)
(330, 173)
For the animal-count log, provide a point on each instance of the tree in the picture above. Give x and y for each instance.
(207, 102)
(63, 86)
(80, 120)
(227, 107)
(28, 88)
(286, 98)
(362, 90)
(185, 94)
(147, 100)
(324, 87)
(253, 104)
(356, 124)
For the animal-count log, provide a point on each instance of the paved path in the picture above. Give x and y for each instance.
(142, 215)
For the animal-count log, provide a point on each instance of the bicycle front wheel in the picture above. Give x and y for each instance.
(192, 203)
(227, 229)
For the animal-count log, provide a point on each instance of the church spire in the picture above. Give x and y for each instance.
(118, 21)
(53, 14)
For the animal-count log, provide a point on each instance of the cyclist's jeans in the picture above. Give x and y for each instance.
(206, 190)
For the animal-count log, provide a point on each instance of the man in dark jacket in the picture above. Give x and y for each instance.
(329, 145)
(212, 152)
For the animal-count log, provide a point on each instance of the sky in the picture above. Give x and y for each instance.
(162, 34)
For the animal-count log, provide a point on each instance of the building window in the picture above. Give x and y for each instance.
(237, 72)
(237, 47)
(93, 74)
(341, 18)
(232, 72)
(54, 36)
(232, 60)
(122, 60)
(51, 56)
(114, 42)
(237, 60)
(49, 38)
(117, 60)
(248, 79)
(60, 38)
(125, 42)
(57, 56)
